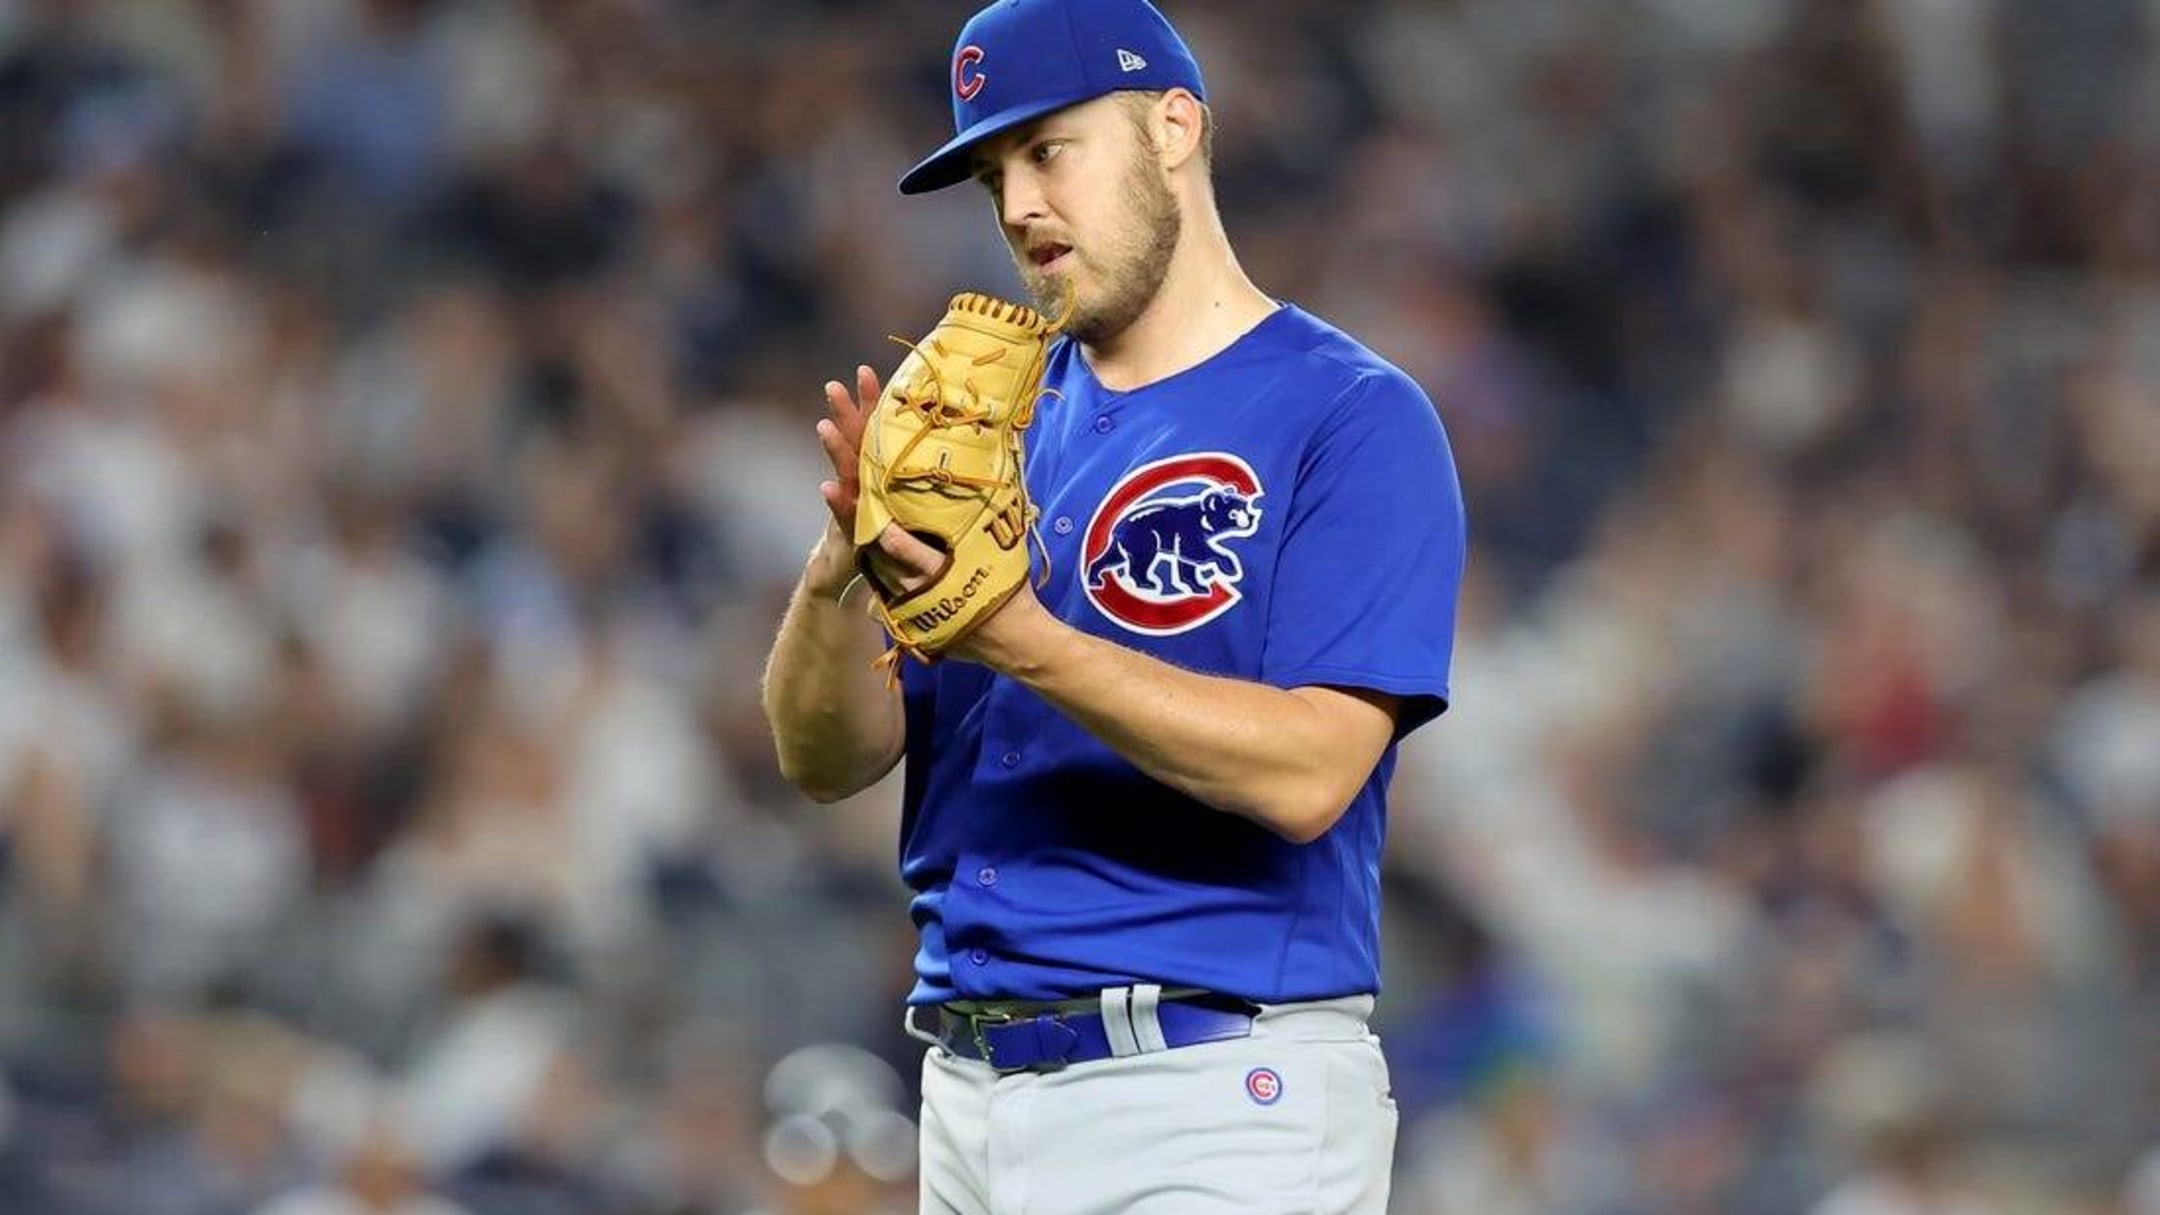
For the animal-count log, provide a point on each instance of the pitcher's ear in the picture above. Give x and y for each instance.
(1181, 126)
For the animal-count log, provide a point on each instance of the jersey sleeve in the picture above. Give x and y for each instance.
(1371, 560)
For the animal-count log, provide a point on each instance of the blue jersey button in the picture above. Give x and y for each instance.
(979, 956)
(987, 875)
(1104, 425)
(1063, 525)
(1010, 759)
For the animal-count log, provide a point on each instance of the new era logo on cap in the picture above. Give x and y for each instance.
(1129, 62)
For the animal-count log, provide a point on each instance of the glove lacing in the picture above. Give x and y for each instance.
(937, 412)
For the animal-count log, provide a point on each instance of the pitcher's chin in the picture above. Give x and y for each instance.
(1055, 291)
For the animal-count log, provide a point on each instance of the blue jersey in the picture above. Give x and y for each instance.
(1287, 512)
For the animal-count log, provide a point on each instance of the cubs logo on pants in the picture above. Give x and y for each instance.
(1294, 1120)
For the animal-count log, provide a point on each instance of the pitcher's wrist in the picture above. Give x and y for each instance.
(831, 569)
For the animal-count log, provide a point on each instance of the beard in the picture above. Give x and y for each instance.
(1130, 269)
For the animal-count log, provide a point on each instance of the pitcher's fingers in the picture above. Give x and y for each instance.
(840, 500)
(842, 453)
(840, 405)
(867, 391)
(897, 577)
(909, 552)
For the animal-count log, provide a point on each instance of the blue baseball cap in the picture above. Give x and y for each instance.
(1018, 60)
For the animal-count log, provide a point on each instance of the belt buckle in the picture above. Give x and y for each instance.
(976, 1022)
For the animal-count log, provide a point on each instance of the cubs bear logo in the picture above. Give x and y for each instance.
(1155, 558)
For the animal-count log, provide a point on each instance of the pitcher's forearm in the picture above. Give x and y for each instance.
(837, 727)
(1291, 760)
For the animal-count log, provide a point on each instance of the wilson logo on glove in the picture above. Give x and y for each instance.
(1009, 526)
(941, 457)
(947, 608)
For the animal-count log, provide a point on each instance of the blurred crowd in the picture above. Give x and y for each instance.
(405, 449)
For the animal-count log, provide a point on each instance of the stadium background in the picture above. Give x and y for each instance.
(404, 452)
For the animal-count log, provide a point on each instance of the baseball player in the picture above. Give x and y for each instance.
(1143, 805)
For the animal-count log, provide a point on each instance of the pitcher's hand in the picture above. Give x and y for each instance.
(905, 563)
(832, 566)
